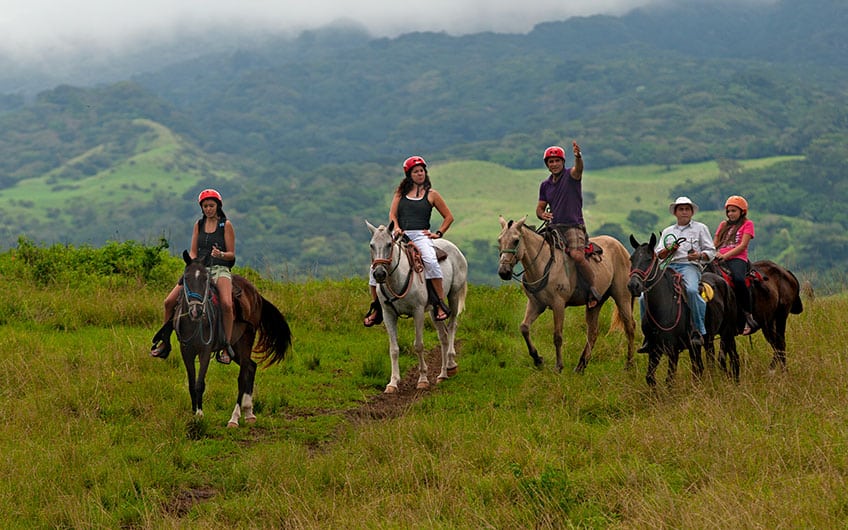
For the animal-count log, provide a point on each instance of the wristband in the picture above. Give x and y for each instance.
(439, 233)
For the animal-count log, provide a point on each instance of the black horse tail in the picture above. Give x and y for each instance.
(274, 334)
(797, 305)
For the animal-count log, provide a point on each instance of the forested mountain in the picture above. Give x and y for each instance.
(309, 132)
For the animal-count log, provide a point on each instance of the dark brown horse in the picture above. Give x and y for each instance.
(775, 293)
(200, 332)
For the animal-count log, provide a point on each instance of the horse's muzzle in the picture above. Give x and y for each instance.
(380, 274)
(635, 286)
(505, 271)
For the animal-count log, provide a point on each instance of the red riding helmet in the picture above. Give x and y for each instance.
(209, 194)
(413, 161)
(738, 201)
(554, 150)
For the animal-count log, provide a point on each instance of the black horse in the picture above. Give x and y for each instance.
(200, 332)
(720, 320)
(667, 324)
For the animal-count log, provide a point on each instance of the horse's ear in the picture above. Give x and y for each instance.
(207, 260)
(391, 227)
(502, 221)
(520, 222)
(186, 257)
(371, 227)
(633, 242)
(653, 242)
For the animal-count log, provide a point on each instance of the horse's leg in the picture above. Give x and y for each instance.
(728, 347)
(390, 320)
(625, 316)
(200, 383)
(673, 355)
(591, 337)
(654, 356)
(247, 373)
(775, 333)
(418, 319)
(448, 368)
(696, 361)
(531, 313)
(188, 361)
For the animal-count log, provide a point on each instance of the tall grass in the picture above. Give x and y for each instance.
(99, 435)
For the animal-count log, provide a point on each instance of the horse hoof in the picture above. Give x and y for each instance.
(231, 424)
(390, 389)
(452, 371)
(422, 385)
(442, 378)
(251, 421)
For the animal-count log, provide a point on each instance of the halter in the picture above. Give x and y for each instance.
(542, 282)
(196, 299)
(392, 264)
(651, 277)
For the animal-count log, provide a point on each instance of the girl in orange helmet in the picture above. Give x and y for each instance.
(213, 235)
(731, 239)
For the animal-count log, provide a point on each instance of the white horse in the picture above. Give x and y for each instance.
(402, 291)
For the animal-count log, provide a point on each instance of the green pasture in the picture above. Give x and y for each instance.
(99, 435)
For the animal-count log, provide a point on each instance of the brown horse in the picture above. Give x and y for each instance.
(550, 281)
(776, 294)
(200, 332)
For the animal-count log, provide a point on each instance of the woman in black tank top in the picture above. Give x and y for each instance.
(412, 204)
(214, 236)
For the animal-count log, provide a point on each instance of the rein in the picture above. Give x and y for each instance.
(393, 265)
(536, 285)
(651, 277)
(206, 310)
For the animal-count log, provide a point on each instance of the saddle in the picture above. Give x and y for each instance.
(414, 254)
(556, 240)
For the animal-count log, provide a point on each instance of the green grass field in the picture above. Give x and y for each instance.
(99, 435)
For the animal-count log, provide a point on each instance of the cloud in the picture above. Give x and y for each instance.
(47, 27)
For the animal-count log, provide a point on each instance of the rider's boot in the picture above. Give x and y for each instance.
(162, 341)
(440, 310)
(588, 274)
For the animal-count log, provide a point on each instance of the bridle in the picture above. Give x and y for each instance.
(392, 263)
(198, 307)
(650, 277)
(536, 285)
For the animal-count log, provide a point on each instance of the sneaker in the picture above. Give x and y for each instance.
(697, 339)
(161, 350)
(644, 348)
(225, 356)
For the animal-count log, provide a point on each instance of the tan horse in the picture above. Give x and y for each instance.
(550, 281)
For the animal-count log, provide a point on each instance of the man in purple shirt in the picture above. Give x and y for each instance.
(562, 191)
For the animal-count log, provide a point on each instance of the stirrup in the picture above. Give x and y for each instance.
(160, 350)
(226, 355)
(445, 309)
(374, 315)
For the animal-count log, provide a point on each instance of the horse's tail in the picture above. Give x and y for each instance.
(460, 299)
(617, 323)
(797, 305)
(274, 334)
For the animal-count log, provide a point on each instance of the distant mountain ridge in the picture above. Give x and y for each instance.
(305, 135)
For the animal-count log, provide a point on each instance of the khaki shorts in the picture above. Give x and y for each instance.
(574, 236)
(220, 271)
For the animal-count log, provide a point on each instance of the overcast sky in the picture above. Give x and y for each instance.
(56, 26)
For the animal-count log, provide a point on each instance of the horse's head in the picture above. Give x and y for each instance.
(196, 285)
(642, 264)
(510, 250)
(382, 250)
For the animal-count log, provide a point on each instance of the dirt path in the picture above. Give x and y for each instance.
(384, 406)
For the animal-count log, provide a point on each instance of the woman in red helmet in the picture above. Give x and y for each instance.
(213, 235)
(412, 205)
(731, 239)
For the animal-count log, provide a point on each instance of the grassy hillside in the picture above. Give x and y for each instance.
(477, 192)
(98, 434)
